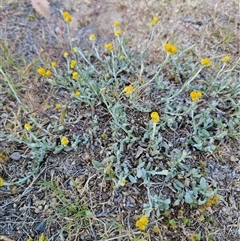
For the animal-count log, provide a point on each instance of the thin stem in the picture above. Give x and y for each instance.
(123, 49)
(149, 41)
(154, 131)
(157, 73)
(220, 71)
(149, 195)
(185, 84)
(113, 70)
(82, 55)
(115, 119)
(6, 78)
(96, 51)
(69, 36)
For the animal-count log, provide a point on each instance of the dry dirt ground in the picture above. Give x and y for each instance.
(67, 183)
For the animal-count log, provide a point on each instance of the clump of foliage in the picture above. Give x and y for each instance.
(180, 97)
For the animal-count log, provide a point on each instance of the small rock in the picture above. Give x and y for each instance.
(37, 210)
(14, 190)
(105, 196)
(41, 227)
(188, 19)
(139, 152)
(15, 156)
(40, 207)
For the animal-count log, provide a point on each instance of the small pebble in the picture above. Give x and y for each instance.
(105, 196)
(37, 210)
(15, 156)
(41, 227)
(40, 207)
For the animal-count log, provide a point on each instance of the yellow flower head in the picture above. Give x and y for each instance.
(184, 154)
(77, 93)
(29, 239)
(206, 62)
(67, 17)
(53, 64)
(142, 223)
(108, 46)
(58, 106)
(1, 182)
(118, 32)
(212, 200)
(3, 158)
(155, 117)
(48, 73)
(65, 54)
(74, 49)
(195, 95)
(121, 57)
(103, 89)
(225, 58)
(116, 23)
(171, 49)
(73, 64)
(43, 238)
(92, 37)
(75, 75)
(64, 141)
(154, 21)
(128, 89)
(216, 198)
(123, 182)
(27, 126)
(41, 71)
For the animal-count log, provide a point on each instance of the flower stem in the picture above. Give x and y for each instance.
(185, 84)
